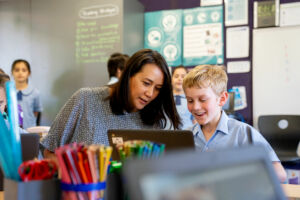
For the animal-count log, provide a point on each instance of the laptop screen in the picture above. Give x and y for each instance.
(244, 173)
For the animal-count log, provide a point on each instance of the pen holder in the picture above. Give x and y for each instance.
(91, 191)
(33, 190)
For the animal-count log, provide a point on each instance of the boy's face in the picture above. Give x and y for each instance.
(204, 104)
(2, 99)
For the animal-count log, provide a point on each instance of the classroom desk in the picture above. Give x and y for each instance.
(292, 191)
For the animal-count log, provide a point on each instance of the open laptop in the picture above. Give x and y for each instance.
(173, 139)
(233, 174)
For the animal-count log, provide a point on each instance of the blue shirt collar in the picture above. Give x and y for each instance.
(221, 127)
(28, 90)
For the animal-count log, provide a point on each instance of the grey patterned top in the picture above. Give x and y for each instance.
(86, 117)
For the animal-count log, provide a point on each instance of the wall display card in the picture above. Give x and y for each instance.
(210, 2)
(163, 33)
(240, 99)
(238, 67)
(236, 12)
(265, 13)
(290, 14)
(237, 42)
(203, 36)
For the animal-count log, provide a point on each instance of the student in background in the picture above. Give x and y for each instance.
(205, 88)
(142, 99)
(180, 100)
(115, 67)
(28, 97)
(3, 102)
(2, 71)
(3, 79)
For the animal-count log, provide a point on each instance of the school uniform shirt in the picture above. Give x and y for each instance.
(185, 116)
(86, 118)
(230, 133)
(30, 102)
(112, 80)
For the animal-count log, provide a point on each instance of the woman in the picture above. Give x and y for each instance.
(142, 99)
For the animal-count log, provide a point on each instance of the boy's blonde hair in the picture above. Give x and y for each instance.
(204, 76)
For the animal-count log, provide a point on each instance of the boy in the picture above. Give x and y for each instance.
(205, 88)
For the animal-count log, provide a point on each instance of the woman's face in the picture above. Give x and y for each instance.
(145, 85)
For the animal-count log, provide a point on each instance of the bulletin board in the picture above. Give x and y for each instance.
(276, 71)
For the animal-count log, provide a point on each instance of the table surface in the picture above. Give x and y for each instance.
(292, 191)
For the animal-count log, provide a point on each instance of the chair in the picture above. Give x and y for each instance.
(229, 108)
(30, 150)
(38, 118)
(283, 134)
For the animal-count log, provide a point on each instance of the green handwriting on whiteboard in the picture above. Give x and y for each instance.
(92, 41)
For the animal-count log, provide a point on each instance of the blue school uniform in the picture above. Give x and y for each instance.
(185, 115)
(230, 133)
(30, 101)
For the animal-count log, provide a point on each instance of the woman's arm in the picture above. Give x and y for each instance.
(280, 171)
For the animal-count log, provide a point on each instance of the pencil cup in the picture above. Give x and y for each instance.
(91, 191)
(33, 190)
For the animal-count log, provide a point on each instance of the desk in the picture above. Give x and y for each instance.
(291, 191)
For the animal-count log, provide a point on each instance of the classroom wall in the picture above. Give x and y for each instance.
(238, 79)
(53, 37)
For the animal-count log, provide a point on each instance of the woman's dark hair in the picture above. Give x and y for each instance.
(153, 113)
(19, 61)
(179, 67)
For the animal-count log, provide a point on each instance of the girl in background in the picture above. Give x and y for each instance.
(28, 97)
(187, 119)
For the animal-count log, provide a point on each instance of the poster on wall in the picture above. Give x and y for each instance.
(203, 36)
(163, 33)
(236, 12)
(237, 42)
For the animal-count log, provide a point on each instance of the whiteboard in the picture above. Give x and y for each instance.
(276, 71)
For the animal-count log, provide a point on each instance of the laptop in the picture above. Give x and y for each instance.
(233, 174)
(173, 139)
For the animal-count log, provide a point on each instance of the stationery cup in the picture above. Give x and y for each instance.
(91, 191)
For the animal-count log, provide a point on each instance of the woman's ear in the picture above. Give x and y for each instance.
(223, 98)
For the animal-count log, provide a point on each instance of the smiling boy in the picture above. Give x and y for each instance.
(205, 88)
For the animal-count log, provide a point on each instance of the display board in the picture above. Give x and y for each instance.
(276, 71)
